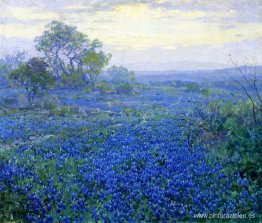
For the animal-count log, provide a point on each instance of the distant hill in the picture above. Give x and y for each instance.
(197, 76)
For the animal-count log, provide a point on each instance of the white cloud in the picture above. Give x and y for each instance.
(162, 31)
(140, 27)
(29, 14)
(27, 31)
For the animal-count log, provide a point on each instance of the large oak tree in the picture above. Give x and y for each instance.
(69, 51)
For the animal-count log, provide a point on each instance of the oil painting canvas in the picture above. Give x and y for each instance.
(130, 111)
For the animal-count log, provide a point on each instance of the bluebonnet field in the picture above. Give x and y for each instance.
(78, 144)
(112, 164)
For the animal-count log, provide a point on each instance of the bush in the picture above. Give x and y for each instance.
(48, 103)
(3, 81)
(124, 88)
(104, 88)
(193, 87)
(244, 142)
(122, 79)
(34, 77)
(13, 99)
(64, 111)
(74, 80)
(9, 100)
(132, 112)
(87, 90)
(229, 129)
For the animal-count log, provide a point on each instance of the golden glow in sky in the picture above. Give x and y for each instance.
(157, 25)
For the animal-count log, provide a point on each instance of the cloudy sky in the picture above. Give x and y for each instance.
(146, 34)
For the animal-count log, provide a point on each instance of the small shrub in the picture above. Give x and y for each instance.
(122, 79)
(124, 88)
(87, 90)
(193, 87)
(48, 103)
(238, 139)
(9, 100)
(103, 87)
(132, 112)
(64, 111)
(13, 99)
(74, 80)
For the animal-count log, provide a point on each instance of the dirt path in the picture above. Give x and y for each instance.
(178, 101)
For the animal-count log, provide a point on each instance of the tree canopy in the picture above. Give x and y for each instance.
(121, 75)
(34, 77)
(122, 79)
(94, 62)
(8, 64)
(64, 46)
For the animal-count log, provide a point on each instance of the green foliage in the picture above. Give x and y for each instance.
(34, 77)
(206, 92)
(124, 88)
(13, 100)
(3, 74)
(48, 103)
(74, 80)
(87, 90)
(143, 86)
(122, 79)
(8, 64)
(242, 150)
(94, 62)
(77, 60)
(244, 142)
(121, 75)
(132, 112)
(12, 208)
(9, 100)
(104, 87)
(67, 43)
(63, 111)
(193, 87)
(231, 128)
(12, 204)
